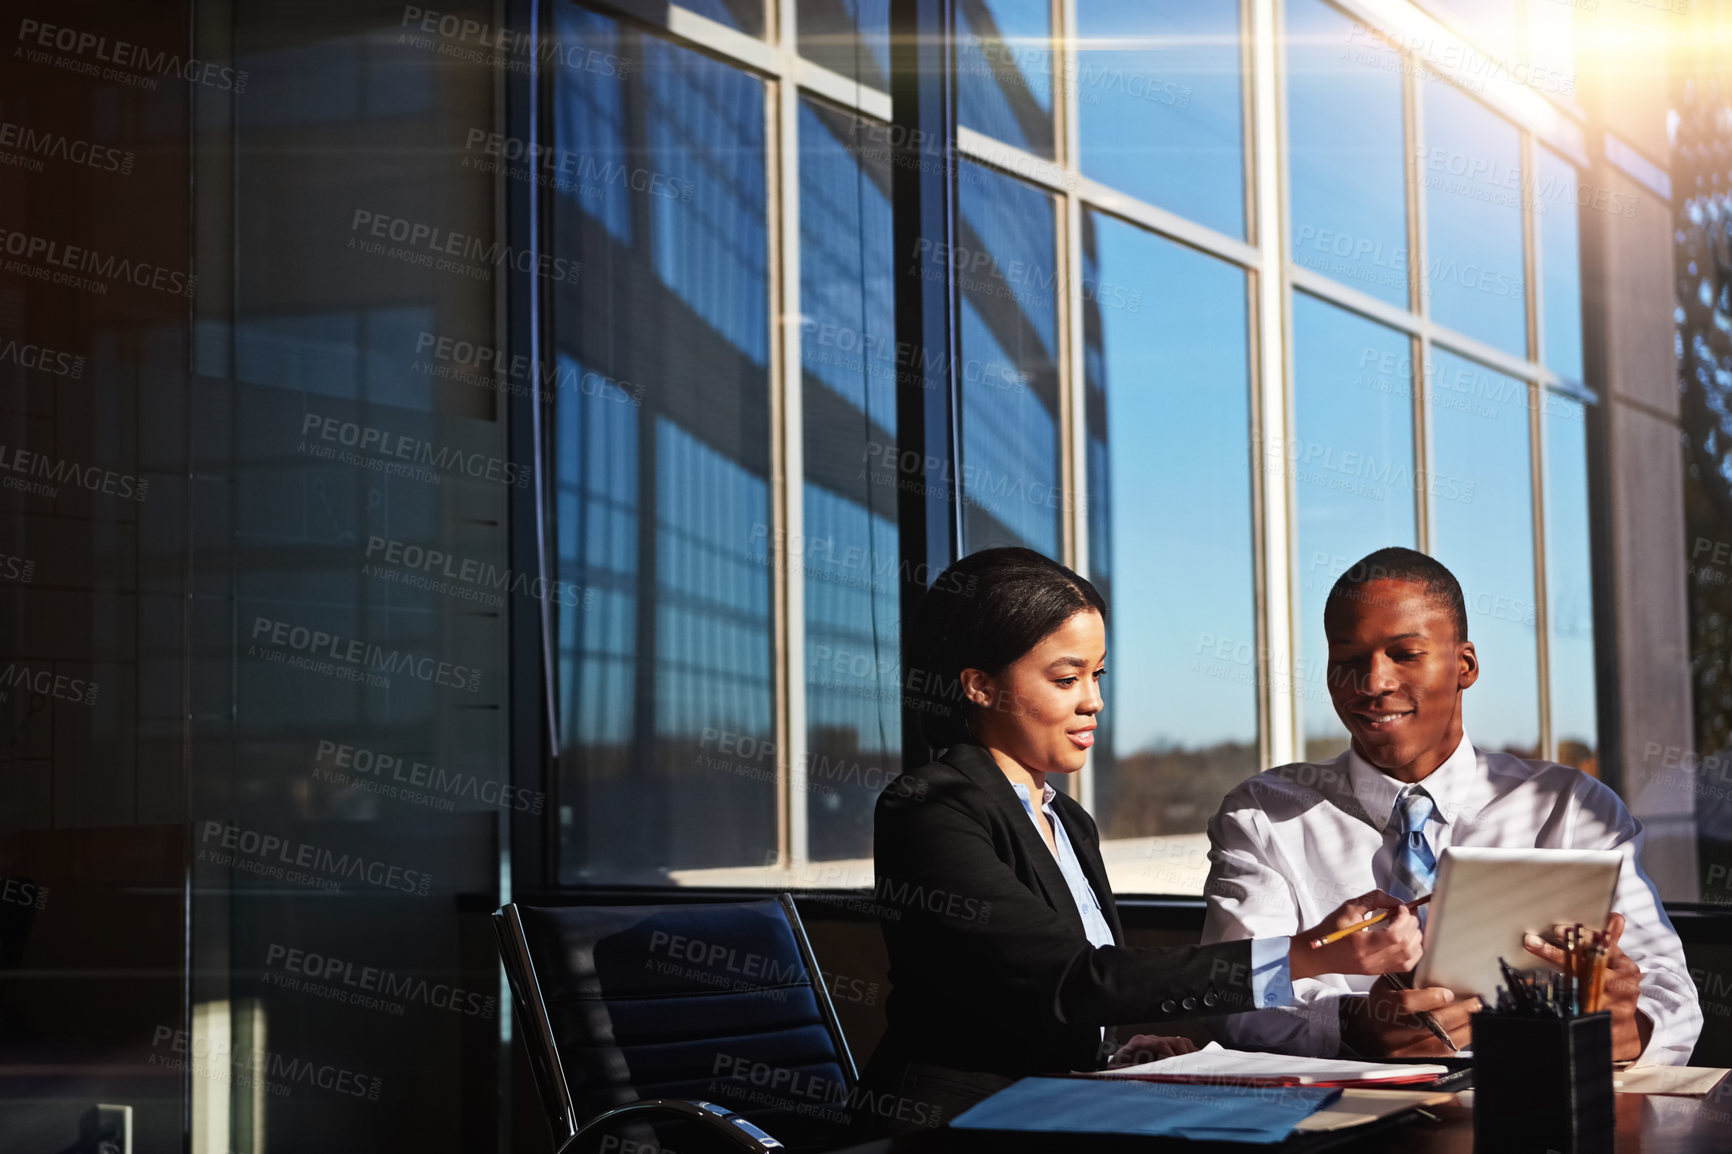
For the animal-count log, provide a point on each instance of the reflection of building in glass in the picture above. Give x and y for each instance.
(657, 502)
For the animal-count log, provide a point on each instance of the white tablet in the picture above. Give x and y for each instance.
(1488, 898)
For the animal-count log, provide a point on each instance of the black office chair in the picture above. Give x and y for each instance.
(713, 1014)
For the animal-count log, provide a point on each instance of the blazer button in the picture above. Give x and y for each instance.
(1168, 1006)
(1189, 1003)
(1210, 998)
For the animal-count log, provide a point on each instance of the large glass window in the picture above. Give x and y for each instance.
(1473, 216)
(1160, 109)
(748, 761)
(1004, 71)
(663, 490)
(848, 551)
(1005, 264)
(1170, 525)
(1482, 527)
(1350, 462)
(1346, 164)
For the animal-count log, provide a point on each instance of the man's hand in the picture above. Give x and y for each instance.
(1149, 1047)
(1386, 1024)
(1631, 1028)
(1391, 946)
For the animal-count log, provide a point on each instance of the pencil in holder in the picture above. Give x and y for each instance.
(1542, 1083)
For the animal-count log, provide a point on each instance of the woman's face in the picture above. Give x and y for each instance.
(1041, 709)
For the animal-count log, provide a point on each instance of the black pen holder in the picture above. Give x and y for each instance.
(1542, 1084)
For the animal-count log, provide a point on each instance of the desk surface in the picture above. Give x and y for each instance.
(1646, 1125)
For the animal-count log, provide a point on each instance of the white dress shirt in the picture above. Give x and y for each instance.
(1291, 844)
(1094, 922)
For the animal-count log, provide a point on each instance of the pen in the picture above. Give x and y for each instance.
(1370, 921)
(1430, 1022)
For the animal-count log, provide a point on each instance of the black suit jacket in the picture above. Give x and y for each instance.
(992, 977)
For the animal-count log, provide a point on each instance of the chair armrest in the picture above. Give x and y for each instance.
(719, 1120)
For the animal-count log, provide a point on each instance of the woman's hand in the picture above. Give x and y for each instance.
(1392, 946)
(1148, 1047)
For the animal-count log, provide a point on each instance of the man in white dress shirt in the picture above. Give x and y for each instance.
(1292, 843)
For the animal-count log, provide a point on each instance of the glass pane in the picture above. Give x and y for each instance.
(1570, 586)
(1170, 542)
(1004, 71)
(1346, 166)
(1351, 468)
(664, 683)
(746, 15)
(1483, 529)
(1159, 106)
(1560, 263)
(1473, 219)
(848, 36)
(848, 556)
(1005, 269)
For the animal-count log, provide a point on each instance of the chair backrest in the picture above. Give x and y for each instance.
(722, 1002)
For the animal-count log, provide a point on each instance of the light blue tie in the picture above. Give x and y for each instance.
(1415, 864)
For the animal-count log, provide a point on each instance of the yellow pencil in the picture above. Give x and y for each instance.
(1370, 921)
(1597, 978)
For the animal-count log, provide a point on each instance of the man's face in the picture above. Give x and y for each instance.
(1396, 672)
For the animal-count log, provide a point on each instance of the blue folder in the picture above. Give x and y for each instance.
(1127, 1106)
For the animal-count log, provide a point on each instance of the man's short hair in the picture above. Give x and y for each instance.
(1397, 564)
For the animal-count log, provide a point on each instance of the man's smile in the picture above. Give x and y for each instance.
(1382, 721)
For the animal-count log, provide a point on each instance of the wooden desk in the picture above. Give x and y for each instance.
(1646, 1125)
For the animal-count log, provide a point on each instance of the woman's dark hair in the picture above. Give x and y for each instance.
(984, 612)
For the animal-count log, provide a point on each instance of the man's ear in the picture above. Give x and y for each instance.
(1468, 662)
(977, 687)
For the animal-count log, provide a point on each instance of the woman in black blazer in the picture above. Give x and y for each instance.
(1006, 954)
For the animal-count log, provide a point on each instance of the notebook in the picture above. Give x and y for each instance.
(1150, 1109)
(1300, 1117)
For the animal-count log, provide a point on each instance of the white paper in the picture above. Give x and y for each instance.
(1212, 1061)
(1686, 1081)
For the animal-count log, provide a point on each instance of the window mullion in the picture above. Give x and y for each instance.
(1536, 393)
(1272, 422)
(1073, 412)
(788, 480)
(1419, 298)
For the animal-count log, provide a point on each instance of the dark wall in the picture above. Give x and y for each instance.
(93, 601)
(252, 761)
